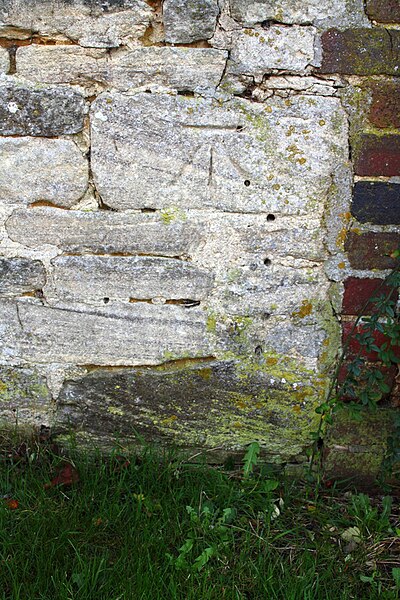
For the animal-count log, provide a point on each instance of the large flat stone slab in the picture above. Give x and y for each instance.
(208, 405)
(193, 69)
(155, 151)
(4, 61)
(40, 112)
(105, 232)
(92, 278)
(50, 170)
(24, 399)
(131, 334)
(20, 275)
(94, 23)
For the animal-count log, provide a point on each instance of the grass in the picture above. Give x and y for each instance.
(157, 528)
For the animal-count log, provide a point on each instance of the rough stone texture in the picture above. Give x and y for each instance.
(125, 334)
(372, 250)
(95, 23)
(104, 232)
(325, 12)
(358, 294)
(194, 69)
(48, 170)
(258, 51)
(385, 106)
(40, 112)
(361, 51)
(384, 11)
(4, 61)
(20, 275)
(377, 155)
(376, 202)
(233, 157)
(91, 278)
(206, 405)
(24, 399)
(186, 21)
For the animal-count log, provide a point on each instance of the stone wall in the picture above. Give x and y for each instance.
(177, 224)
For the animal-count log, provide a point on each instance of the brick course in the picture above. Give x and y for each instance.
(384, 11)
(372, 250)
(376, 202)
(377, 155)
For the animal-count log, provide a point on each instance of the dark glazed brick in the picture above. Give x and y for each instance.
(20, 275)
(358, 293)
(372, 250)
(40, 112)
(377, 155)
(385, 107)
(354, 347)
(384, 11)
(376, 202)
(361, 52)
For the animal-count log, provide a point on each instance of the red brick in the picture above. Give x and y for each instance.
(384, 11)
(378, 155)
(389, 375)
(357, 292)
(385, 106)
(356, 349)
(372, 250)
(361, 51)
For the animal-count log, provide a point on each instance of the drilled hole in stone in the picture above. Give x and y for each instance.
(239, 128)
(148, 210)
(106, 300)
(258, 350)
(267, 262)
(271, 217)
(267, 315)
(247, 182)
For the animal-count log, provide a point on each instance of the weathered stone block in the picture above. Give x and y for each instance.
(48, 170)
(4, 61)
(338, 12)
(376, 202)
(156, 151)
(258, 51)
(40, 112)
(377, 155)
(91, 278)
(19, 275)
(186, 21)
(385, 106)
(384, 11)
(24, 398)
(193, 69)
(372, 250)
(104, 232)
(359, 292)
(361, 51)
(95, 23)
(208, 405)
(130, 334)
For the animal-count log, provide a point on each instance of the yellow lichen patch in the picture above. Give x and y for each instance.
(304, 310)
(169, 420)
(341, 265)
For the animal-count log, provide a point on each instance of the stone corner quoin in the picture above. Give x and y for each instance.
(177, 223)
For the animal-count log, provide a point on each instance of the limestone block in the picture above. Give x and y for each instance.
(4, 60)
(258, 51)
(103, 232)
(193, 69)
(186, 21)
(329, 13)
(91, 278)
(209, 405)
(24, 398)
(92, 23)
(118, 334)
(40, 112)
(157, 151)
(19, 275)
(63, 64)
(32, 169)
